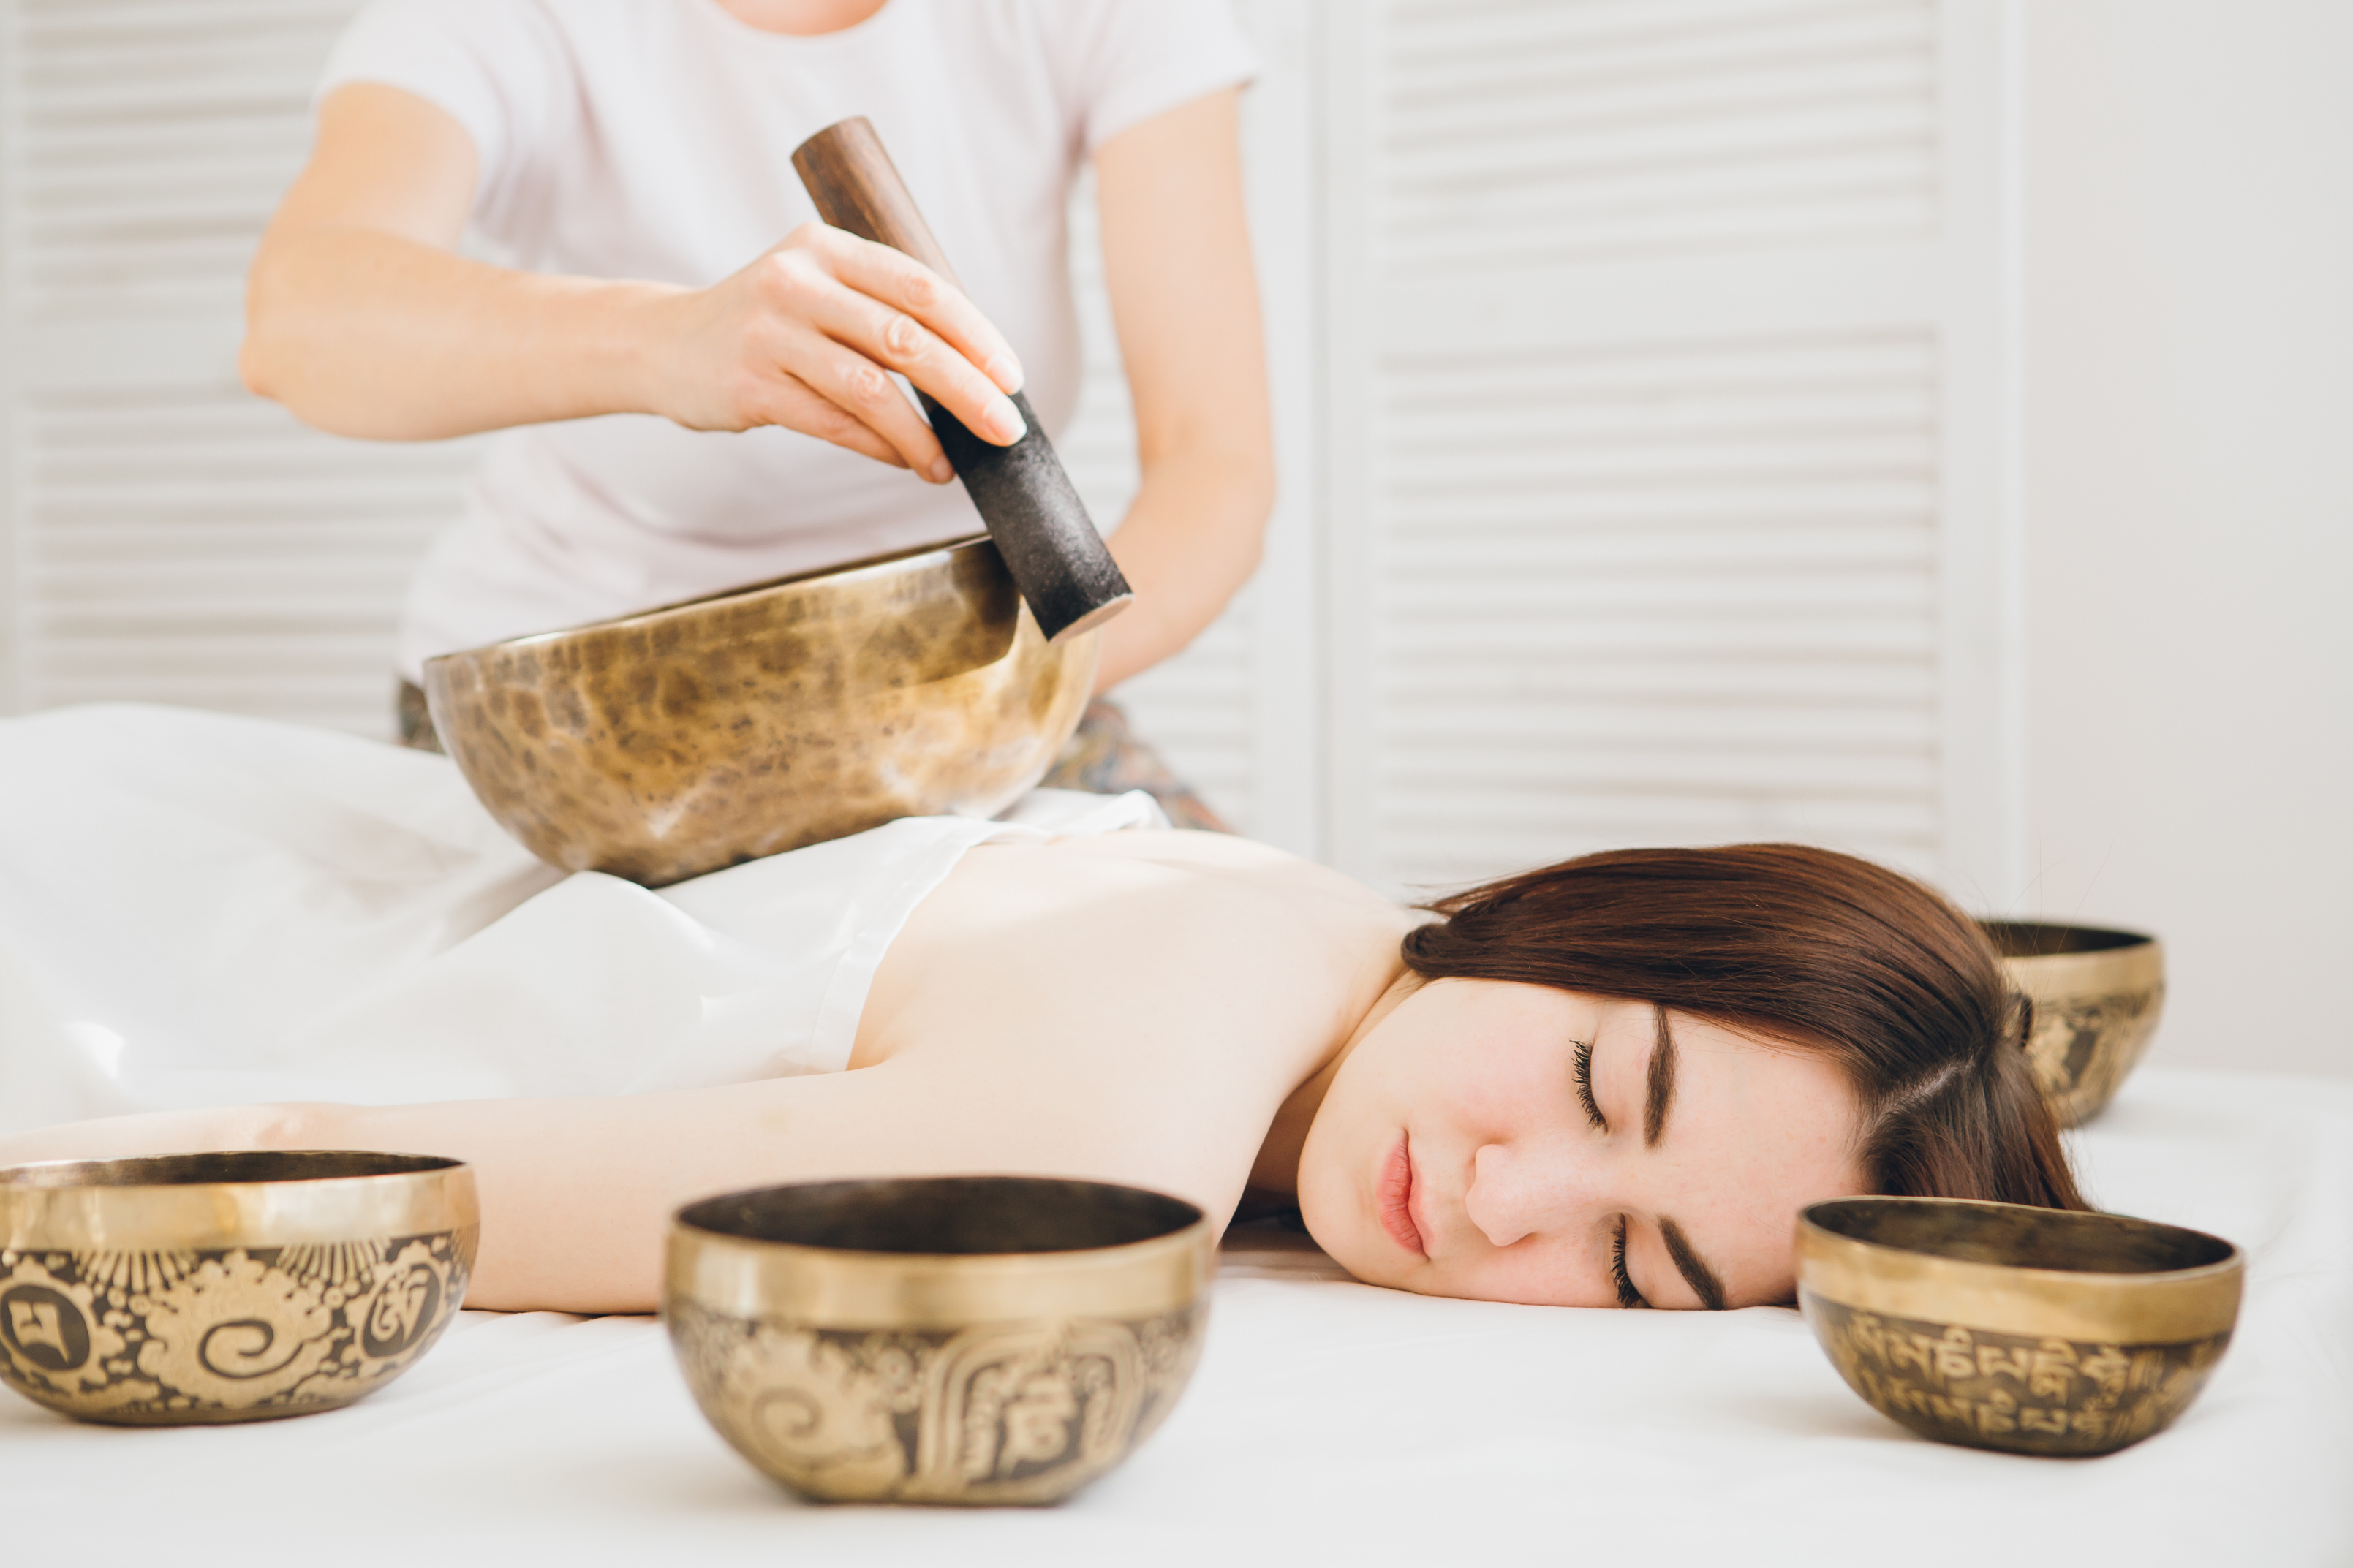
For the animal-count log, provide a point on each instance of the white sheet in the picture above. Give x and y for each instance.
(1334, 1422)
(198, 909)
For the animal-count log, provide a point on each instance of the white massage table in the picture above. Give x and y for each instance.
(1335, 1423)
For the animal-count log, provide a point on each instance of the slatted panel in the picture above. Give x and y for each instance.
(195, 546)
(1653, 536)
(1658, 594)
(1194, 708)
(1559, 132)
(177, 540)
(153, 139)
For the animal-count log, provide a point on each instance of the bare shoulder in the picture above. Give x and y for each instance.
(1226, 856)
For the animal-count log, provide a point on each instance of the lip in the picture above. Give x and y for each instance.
(1393, 1198)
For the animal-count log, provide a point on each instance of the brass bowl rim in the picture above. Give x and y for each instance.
(202, 1213)
(2233, 1259)
(416, 1165)
(745, 1276)
(1181, 1235)
(864, 567)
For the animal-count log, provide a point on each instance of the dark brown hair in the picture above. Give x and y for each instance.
(1810, 948)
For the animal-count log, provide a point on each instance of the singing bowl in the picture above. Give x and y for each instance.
(2031, 1331)
(2096, 995)
(195, 1289)
(941, 1339)
(663, 745)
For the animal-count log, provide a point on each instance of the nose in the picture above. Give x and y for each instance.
(1526, 1188)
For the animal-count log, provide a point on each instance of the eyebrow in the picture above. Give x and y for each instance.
(1661, 1091)
(1692, 1266)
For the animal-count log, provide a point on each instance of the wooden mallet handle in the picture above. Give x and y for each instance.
(1032, 511)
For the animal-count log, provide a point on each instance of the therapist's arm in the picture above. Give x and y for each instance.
(1176, 256)
(362, 319)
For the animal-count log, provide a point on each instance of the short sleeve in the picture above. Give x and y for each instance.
(1138, 58)
(497, 67)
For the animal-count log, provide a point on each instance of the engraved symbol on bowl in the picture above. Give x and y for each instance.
(407, 1305)
(45, 1328)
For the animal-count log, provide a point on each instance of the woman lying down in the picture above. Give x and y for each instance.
(1610, 1082)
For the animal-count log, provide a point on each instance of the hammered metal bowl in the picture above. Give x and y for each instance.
(195, 1289)
(2027, 1329)
(941, 1339)
(677, 742)
(2096, 993)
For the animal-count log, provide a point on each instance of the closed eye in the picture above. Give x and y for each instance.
(1584, 1073)
(1627, 1295)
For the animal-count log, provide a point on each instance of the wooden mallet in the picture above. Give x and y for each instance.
(1041, 525)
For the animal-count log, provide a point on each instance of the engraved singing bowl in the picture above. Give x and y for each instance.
(193, 1289)
(2033, 1330)
(940, 1339)
(2096, 995)
(666, 745)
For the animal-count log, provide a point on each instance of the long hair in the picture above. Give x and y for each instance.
(1809, 948)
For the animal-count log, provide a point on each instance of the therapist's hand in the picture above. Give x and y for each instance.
(806, 337)
(361, 318)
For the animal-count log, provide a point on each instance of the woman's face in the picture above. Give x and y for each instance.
(1513, 1142)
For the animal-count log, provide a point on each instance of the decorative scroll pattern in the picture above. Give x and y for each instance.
(167, 1338)
(1002, 1413)
(2028, 1396)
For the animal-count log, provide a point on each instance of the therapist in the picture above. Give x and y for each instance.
(692, 374)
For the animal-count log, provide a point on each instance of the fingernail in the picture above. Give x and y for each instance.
(1006, 370)
(1005, 425)
(940, 471)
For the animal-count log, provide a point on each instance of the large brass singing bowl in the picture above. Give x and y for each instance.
(242, 1287)
(2096, 995)
(2027, 1329)
(683, 739)
(943, 1340)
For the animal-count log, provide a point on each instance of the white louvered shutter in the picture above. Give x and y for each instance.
(1666, 409)
(174, 539)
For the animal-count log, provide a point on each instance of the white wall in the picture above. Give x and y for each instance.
(2189, 477)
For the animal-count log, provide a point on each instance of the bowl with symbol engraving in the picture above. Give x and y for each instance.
(2033, 1330)
(196, 1289)
(938, 1339)
(2097, 995)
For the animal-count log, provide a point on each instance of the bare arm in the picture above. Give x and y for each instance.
(1177, 254)
(360, 318)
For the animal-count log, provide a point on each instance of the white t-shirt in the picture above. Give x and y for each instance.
(653, 139)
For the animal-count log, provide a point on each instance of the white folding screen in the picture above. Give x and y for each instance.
(1641, 392)
(1666, 408)
(169, 537)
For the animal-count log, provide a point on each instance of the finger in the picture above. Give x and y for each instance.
(865, 392)
(898, 342)
(794, 404)
(898, 280)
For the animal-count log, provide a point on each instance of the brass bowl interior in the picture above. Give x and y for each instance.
(946, 1216)
(2015, 1236)
(2039, 939)
(230, 1167)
